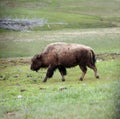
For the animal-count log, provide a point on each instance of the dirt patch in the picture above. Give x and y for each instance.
(13, 114)
(106, 56)
(15, 61)
(105, 31)
(10, 113)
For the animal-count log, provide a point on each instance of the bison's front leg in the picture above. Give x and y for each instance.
(62, 71)
(50, 72)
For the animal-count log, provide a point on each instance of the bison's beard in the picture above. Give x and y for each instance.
(35, 69)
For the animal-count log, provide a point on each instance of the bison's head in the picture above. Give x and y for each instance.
(36, 63)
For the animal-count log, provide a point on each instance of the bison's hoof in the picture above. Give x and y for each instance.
(44, 81)
(97, 77)
(63, 80)
(81, 79)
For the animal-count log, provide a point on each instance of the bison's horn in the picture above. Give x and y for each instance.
(38, 56)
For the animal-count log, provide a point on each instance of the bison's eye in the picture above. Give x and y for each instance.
(39, 57)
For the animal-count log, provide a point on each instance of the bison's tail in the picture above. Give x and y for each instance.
(93, 58)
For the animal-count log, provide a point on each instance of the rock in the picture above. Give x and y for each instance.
(2, 77)
(11, 113)
(22, 90)
(42, 88)
(63, 88)
(19, 96)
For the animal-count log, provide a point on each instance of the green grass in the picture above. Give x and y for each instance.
(72, 13)
(20, 44)
(55, 99)
(84, 100)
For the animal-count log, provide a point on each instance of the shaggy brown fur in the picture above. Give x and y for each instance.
(63, 55)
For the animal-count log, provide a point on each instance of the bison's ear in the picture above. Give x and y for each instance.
(39, 57)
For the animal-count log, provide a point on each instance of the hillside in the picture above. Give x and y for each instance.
(60, 14)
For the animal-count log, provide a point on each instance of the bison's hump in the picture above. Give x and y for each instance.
(62, 46)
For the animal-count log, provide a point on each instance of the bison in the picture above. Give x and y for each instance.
(62, 55)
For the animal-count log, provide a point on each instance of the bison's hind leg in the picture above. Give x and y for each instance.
(84, 70)
(62, 71)
(94, 69)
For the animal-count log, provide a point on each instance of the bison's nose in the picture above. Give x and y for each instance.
(33, 69)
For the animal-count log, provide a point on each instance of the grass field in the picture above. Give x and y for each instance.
(22, 44)
(23, 95)
(65, 13)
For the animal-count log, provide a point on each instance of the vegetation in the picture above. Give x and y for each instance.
(22, 44)
(22, 93)
(62, 14)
